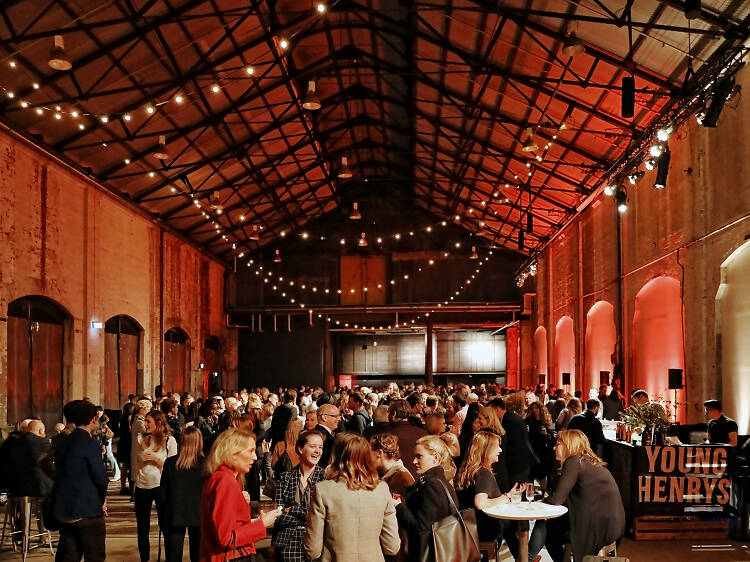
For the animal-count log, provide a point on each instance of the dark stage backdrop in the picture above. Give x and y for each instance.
(281, 358)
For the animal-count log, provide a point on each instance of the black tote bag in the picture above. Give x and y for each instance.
(452, 539)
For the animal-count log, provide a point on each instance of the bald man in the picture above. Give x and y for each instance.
(328, 421)
(28, 477)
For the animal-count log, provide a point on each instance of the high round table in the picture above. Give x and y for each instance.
(525, 511)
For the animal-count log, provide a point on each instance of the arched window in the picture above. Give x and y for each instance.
(36, 340)
(122, 351)
(176, 360)
(658, 341)
(733, 335)
(565, 353)
(600, 344)
(540, 351)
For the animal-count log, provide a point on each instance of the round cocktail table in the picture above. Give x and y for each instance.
(525, 511)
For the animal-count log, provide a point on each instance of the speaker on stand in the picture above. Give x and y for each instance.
(603, 378)
(675, 383)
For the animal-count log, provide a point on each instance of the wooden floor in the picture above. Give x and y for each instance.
(122, 547)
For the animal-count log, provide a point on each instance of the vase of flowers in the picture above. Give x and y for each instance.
(652, 417)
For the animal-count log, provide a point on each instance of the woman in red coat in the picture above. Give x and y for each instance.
(227, 533)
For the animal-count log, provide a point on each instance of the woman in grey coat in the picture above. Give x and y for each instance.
(585, 482)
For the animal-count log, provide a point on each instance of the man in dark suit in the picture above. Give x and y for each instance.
(79, 499)
(588, 423)
(399, 412)
(328, 423)
(29, 479)
(516, 458)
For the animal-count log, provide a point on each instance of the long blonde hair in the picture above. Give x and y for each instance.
(476, 457)
(437, 447)
(575, 443)
(191, 448)
(492, 419)
(222, 451)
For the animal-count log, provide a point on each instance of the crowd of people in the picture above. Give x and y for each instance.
(349, 475)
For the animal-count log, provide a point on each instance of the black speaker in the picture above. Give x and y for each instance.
(566, 379)
(628, 96)
(603, 378)
(542, 379)
(675, 379)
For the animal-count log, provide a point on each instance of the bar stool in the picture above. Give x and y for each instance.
(20, 513)
(490, 548)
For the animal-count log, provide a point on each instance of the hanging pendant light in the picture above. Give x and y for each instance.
(161, 152)
(355, 214)
(474, 255)
(572, 45)
(58, 59)
(344, 172)
(529, 144)
(311, 101)
(254, 235)
(362, 240)
(277, 257)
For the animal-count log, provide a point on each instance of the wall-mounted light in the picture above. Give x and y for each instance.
(97, 325)
(201, 366)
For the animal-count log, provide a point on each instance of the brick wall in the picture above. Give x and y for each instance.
(64, 238)
(685, 231)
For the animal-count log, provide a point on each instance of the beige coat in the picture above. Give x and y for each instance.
(351, 525)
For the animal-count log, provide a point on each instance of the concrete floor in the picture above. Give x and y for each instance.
(121, 543)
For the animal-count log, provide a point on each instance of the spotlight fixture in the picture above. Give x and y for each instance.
(635, 176)
(474, 255)
(621, 199)
(650, 164)
(344, 172)
(311, 102)
(663, 134)
(355, 214)
(692, 9)
(662, 169)
(58, 59)
(723, 91)
(656, 150)
(609, 189)
(529, 144)
(161, 152)
(277, 257)
(254, 234)
(362, 240)
(572, 45)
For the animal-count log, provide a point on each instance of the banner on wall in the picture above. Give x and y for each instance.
(680, 479)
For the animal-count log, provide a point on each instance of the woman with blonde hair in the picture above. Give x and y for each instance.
(284, 456)
(488, 420)
(572, 408)
(180, 491)
(351, 516)
(227, 533)
(585, 479)
(476, 486)
(152, 449)
(428, 501)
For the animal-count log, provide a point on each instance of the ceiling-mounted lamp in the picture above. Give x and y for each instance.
(621, 199)
(662, 169)
(277, 257)
(362, 240)
(311, 101)
(161, 152)
(58, 58)
(572, 45)
(474, 255)
(635, 176)
(650, 164)
(255, 233)
(355, 214)
(529, 144)
(692, 9)
(344, 172)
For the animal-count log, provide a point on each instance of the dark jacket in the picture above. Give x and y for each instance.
(591, 427)
(327, 445)
(27, 476)
(407, 434)
(180, 492)
(359, 422)
(81, 484)
(426, 503)
(517, 456)
(597, 516)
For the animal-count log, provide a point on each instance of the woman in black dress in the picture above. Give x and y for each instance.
(597, 516)
(427, 501)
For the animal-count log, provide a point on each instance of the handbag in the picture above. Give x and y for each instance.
(453, 538)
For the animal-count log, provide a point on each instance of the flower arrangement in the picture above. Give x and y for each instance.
(651, 415)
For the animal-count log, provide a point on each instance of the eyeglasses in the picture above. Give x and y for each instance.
(337, 416)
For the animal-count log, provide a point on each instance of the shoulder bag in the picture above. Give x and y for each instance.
(453, 538)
